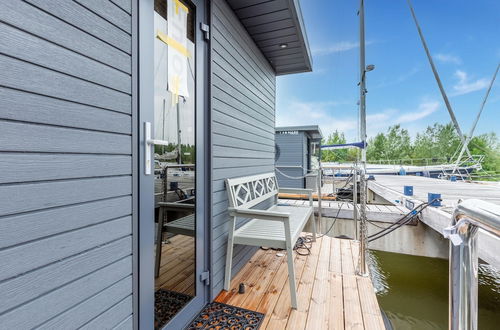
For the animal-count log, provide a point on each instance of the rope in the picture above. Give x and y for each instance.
(292, 177)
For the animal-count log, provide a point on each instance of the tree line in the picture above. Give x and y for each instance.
(437, 144)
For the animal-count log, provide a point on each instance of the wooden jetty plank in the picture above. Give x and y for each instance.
(353, 318)
(254, 293)
(388, 214)
(259, 270)
(225, 296)
(348, 267)
(273, 292)
(330, 295)
(335, 264)
(372, 316)
(297, 318)
(281, 311)
(319, 307)
(355, 254)
(336, 302)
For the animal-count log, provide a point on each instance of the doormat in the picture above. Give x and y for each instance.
(167, 305)
(221, 316)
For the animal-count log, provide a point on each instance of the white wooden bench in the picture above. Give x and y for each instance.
(277, 227)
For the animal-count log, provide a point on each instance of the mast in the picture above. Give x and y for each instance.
(362, 117)
(471, 133)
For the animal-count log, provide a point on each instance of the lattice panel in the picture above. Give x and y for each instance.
(243, 193)
(253, 191)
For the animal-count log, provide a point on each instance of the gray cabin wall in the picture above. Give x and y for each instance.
(243, 121)
(292, 153)
(65, 164)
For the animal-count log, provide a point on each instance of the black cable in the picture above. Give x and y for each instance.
(303, 243)
(412, 214)
(333, 223)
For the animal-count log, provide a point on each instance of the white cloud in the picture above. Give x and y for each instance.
(325, 114)
(448, 58)
(424, 109)
(341, 46)
(343, 116)
(465, 86)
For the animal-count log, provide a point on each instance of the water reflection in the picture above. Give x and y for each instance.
(413, 291)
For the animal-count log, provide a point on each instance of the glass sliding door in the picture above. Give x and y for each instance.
(173, 145)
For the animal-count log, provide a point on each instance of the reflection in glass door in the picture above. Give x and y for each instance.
(174, 158)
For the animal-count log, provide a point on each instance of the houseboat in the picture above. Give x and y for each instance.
(95, 97)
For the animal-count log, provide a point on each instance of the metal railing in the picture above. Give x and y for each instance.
(467, 218)
(465, 160)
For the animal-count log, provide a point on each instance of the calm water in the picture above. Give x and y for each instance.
(413, 291)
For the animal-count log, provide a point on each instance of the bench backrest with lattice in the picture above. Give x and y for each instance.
(246, 192)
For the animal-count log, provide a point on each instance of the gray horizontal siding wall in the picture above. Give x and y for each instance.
(65, 164)
(292, 160)
(243, 120)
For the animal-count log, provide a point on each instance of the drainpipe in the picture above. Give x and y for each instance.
(467, 218)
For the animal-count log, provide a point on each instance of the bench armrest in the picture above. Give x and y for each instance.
(176, 206)
(259, 214)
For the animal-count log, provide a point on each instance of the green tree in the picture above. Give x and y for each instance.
(489, 146)
(439, 142)
(376, 149)
(397, 144)
(340, 155)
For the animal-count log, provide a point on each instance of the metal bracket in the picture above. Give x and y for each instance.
(451, 234)
(205, 278)
(206, 30)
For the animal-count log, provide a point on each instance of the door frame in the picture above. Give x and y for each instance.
(143, 186)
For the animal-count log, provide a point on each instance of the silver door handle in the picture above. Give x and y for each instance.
(148, 148)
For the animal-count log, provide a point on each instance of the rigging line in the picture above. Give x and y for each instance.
(471, 133)
(438, 79)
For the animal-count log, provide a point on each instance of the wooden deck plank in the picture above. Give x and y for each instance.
(297, 318)
(330, 295)
(372, 318)
(317, 317)
(255, 295)
(282, 309)
(251, 281)
(335, 257)
(336, 302)
(273, 292)
(353, 318)
(348, 267)
(225, 296)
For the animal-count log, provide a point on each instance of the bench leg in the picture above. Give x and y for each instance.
(291, 277)
(313, 219)
(229, 256)
(229, 262)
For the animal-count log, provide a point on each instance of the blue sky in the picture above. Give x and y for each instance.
(463, 37)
